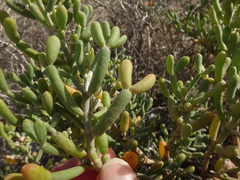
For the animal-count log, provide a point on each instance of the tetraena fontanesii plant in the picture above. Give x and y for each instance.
(67, 109)
(77, 107)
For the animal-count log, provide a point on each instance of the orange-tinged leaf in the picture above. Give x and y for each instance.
(131, 158)
(70, 89)
(35, 172)
(11, 161)
(14, 176)
(138, 119)
(161, 148)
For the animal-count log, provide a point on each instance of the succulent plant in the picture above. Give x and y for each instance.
(59, 91)
(80, 102)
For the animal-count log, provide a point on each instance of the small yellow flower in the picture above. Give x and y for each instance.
(99, 96)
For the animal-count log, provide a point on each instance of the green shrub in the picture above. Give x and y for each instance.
(78, 99)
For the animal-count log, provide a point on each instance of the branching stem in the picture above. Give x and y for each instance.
(174, 137)
(91, 150)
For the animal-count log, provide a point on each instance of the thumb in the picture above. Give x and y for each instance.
(116, 169)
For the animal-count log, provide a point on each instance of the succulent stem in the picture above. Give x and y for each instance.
(174, 137)
(91, 150)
